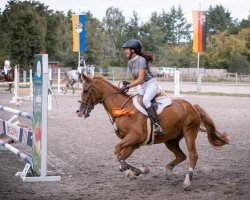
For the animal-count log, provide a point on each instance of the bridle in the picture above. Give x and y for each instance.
(92, 99)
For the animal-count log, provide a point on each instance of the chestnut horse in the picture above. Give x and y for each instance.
(8, 78)
(179, 120)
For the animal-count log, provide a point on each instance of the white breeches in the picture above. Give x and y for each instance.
(148, 90)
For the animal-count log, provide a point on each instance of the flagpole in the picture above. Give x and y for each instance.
(198, 74)
(79, 53)
(198, 65)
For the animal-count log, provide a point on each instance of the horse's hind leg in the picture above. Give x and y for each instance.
(173, 145)
(10, 86)
(9, 89)
(190, 137)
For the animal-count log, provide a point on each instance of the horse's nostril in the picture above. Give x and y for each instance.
(77, 111)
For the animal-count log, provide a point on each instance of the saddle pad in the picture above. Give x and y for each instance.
(162, 101)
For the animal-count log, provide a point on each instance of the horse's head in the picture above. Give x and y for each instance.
(90, 96)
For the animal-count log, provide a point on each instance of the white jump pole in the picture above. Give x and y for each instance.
(16, 98)
(24, 76)
(58, 81)
(31, 85)
(50, 91)
(177, 83)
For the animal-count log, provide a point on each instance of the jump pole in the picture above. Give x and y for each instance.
(17, 99)
(50, 91)
(58, 81)
(16, 132)
(38, 140)
(177, 83)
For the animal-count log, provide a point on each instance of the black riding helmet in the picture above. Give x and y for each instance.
(133, 44)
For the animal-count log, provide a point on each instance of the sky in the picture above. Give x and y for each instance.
(238, 8)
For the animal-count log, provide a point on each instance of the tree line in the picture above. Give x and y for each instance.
(167, 34)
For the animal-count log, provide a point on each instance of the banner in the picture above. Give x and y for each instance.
(199, 28)
(78, 30)
(37, 113)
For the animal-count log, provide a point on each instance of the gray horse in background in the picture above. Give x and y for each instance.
(72, 77)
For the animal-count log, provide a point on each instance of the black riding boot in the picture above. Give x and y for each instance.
(154, 118)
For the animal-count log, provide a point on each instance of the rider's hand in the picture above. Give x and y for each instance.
(125, 83)
(124, 88)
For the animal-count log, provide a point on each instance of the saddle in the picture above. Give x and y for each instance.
(159, 102)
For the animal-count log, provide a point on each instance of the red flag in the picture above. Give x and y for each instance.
(199, 28)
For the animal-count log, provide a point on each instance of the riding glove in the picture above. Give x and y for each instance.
(125, 82)
(124, 88)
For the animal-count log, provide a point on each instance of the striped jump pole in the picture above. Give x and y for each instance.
(17, 112)
(23, 156)
(17, 152)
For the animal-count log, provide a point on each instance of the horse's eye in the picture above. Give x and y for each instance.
(85, 91)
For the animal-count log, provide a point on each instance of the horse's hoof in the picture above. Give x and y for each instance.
(130, 174)
(187, 183)
(169, 176)
(145, 169)
(187, 187)
(167, 170)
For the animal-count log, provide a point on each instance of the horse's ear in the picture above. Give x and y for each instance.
(86, 78)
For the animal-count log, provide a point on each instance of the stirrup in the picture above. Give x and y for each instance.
(158, 130)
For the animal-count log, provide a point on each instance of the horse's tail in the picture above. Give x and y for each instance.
(215, 138)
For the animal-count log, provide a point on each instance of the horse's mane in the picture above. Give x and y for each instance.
(103, 79)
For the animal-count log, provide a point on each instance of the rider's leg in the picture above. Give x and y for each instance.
(80, 78)
(5, 72)
(155, 120)
(151, 89)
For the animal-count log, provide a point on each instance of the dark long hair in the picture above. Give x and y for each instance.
(149, 56)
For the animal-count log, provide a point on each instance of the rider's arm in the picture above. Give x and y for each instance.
(140, 78)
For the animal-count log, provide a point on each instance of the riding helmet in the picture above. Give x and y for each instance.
(133, 44)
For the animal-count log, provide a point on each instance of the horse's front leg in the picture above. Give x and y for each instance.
(130, 170)
(122, 151)
(72, 85)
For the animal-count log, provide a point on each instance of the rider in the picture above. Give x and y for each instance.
(6, 67)
(141, 74)
(82, 67)
(91, 71)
